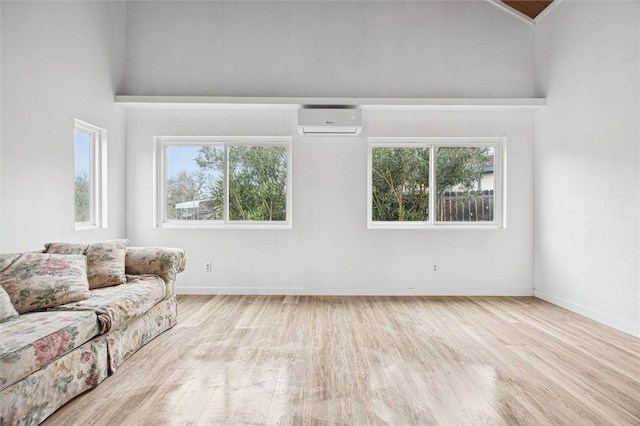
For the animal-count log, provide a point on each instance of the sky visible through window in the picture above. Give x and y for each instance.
(82, 155)
(181, 158)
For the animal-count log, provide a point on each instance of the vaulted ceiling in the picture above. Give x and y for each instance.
(531, 8)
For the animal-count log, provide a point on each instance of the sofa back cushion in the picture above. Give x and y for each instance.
(7, 310)
(37, 281)
(105, 260)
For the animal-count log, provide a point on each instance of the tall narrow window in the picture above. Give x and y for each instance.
(89, 176)
(223, 182)
(431, 182)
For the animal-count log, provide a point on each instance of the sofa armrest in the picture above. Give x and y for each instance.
(164, 262)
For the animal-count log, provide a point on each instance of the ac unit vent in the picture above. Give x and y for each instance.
(329, 121)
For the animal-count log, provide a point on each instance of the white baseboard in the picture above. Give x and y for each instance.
(586, 312)
(356, 291)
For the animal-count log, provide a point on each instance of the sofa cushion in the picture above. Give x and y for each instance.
(7, 310)
(105, 260)
(31, 400)
(117, 305)
(36, 281)
(32, 340)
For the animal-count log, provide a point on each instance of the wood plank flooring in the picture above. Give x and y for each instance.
(276, 360)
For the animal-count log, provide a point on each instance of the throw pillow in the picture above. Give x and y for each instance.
(37, 281)
(105, 260)
(7, 310)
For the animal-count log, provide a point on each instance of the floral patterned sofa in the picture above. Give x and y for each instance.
(70, 315)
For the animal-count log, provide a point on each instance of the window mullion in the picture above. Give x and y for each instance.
(500, 184)
(96, 158)
(226, 184)
(164, 196)
(92, 179)
(432, 184)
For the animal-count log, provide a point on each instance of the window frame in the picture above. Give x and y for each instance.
(97, 176)
(160, 145)
(499, 144)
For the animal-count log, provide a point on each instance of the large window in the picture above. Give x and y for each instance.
(436, 182)
(90, 176)
(223, 182)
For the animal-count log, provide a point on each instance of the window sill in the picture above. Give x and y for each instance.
(435, 227)
(242, 225)
(83, 227)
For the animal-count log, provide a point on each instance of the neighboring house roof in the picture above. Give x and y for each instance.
(190, 204)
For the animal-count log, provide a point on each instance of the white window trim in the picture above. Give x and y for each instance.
(160, 190)
(500, 168)
(98, 176)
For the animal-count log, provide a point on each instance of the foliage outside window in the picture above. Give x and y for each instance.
(240, 181)
(89, 176)
(462, 187)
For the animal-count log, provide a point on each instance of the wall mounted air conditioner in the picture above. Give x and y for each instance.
(329, 121)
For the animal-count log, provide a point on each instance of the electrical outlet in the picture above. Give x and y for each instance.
(207, 267)
(435, 268)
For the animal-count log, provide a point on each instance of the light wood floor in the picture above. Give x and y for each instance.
(275, 360)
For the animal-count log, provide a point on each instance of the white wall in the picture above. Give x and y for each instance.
(60, 61)
(326, 48)
(334, 49)
(329, 250)
(587, 166)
